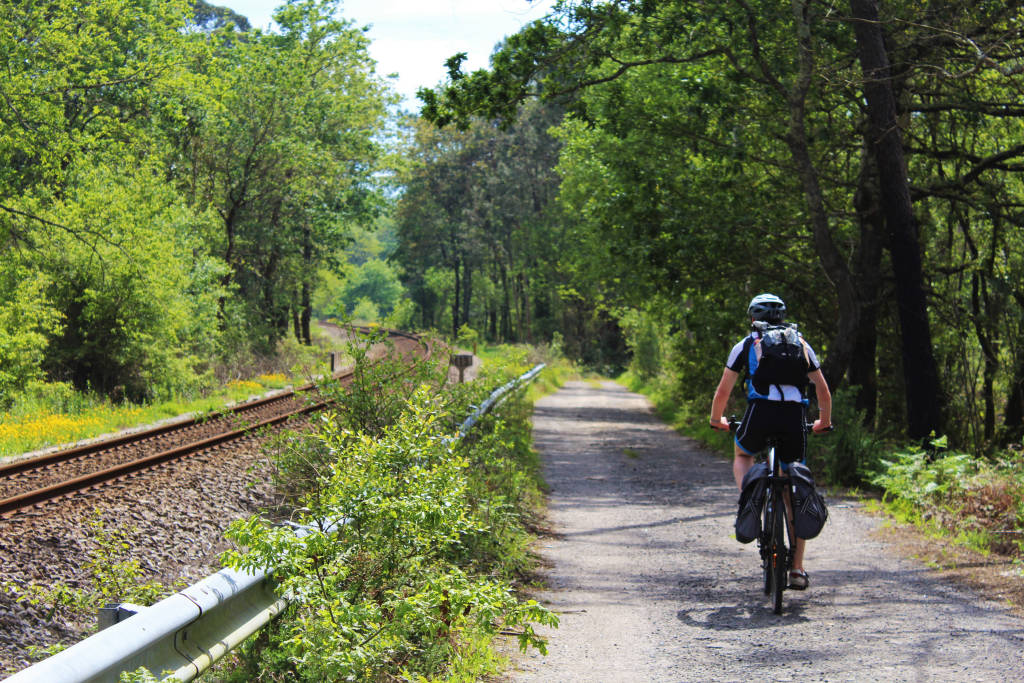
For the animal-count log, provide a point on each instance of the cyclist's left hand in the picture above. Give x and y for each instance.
(821, 428)
(722, 425)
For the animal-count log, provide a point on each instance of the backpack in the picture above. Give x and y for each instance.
(777, 356)
(809, 511)
(748, 517)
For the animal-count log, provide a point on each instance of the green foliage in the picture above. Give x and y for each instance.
(139, 300)
(468, 337)
(140, 675)
(403, 315)
(366, 311)
(372, 400)
(701, 166)
(480, 235)
(643, 338)
(852, 454)
(374, 282)
(979, 502)
(409, 578)
(171, 183)
(382, 383)
(26, 321)
(278, 136)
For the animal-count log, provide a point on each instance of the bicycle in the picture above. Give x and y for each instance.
(776, 540)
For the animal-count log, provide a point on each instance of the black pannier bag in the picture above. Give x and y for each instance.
(748, 517)
(809, 511)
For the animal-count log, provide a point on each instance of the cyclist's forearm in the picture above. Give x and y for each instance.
(824, 397)
(721, 399)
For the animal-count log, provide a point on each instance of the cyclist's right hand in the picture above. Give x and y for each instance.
(820, 428)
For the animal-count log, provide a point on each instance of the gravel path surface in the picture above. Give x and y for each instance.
(651, 585)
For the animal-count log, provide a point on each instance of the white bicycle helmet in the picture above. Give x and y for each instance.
(767, 308)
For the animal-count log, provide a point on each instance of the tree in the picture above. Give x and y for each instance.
(920, 371)
(211, 17)
(280, 143)
(480, 204)
(758, 104)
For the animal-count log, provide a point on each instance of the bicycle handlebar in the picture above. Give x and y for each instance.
(734, 424)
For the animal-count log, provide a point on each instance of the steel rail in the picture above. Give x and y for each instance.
(14, 504)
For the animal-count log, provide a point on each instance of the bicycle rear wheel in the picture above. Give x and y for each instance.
(778, 553)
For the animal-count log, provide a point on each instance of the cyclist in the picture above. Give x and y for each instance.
(780, 411)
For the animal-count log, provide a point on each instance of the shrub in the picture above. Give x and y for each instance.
(981, 502)
(406, 577)
(851, 455)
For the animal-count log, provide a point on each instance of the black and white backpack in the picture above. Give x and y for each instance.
(777, 355)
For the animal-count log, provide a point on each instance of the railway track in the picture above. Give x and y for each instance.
(29, 483)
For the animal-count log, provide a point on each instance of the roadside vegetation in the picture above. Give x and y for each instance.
(416, 541)
(181, 192)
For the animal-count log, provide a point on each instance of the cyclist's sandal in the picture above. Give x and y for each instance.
(798, 579)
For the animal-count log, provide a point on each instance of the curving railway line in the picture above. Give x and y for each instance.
(29, 483)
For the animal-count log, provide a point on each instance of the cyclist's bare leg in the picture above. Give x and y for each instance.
(741, 464)
(799, 543)
(798, 554)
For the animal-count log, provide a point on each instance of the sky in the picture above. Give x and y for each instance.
(413, 38)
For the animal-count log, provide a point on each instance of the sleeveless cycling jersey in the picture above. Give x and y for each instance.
(739, 361)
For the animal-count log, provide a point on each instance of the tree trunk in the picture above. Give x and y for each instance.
(271, 312)
(923, 389)
(506, 306)
(984, 311)
(467, 293)
(832, 262)
(1013, 415)
(867, 260)
(527, 311)
(455, 300)
(305, 303)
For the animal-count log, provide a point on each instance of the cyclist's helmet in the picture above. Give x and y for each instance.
(767, 308)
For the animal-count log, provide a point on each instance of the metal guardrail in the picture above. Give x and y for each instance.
(182, 636)
(496, 397)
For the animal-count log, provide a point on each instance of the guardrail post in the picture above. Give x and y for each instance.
(116, 612)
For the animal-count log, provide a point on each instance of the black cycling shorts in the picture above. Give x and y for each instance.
(783, 420)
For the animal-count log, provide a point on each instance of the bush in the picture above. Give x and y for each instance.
(644, 339)
(852, 454)
(26, 318)
(405, 578)
(980, 502)
(428, 532)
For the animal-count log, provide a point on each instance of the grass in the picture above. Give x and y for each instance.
(51, 414)
(33, 425)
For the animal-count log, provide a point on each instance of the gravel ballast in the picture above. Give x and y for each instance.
(651, 585)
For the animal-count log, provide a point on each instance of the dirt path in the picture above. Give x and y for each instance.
(651, 586)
